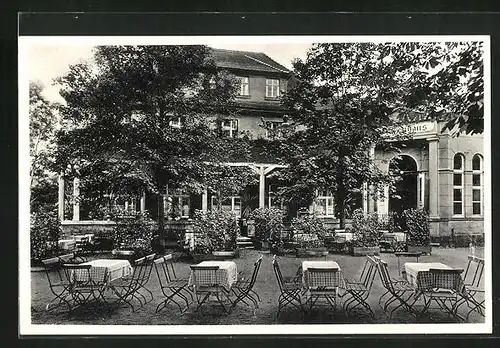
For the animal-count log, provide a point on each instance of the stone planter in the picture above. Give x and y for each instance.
(425, 249)
(225, 255)
(313, 252)
(364, 251)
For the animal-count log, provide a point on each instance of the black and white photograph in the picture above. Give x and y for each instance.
(254, 185)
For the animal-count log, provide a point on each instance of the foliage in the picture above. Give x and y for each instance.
(390, 222)
(119, 115)
(219, 227)
(310, 231)
(365, 228)
(44, 227)
(134, 233)
(268, 223)
(417, 224)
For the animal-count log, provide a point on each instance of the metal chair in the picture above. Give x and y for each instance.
(289, 290)
(322, 283)
(148, 265)
(169, 284)
(127, 288)
(359, 290)
(473, 286)
(399, 290)
(443, 286)
(243, 288)
(206, 282)
(58, 282)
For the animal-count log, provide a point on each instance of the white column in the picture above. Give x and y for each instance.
(365, 197)
(433, 177)
(262, 187)
(60, 207)
(204, 200)
(420, 190)
(76, 198)
(383, 203)
(143, 202)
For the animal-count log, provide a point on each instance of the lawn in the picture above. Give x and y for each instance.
(267, 288)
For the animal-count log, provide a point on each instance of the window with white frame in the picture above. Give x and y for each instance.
(477, 185)
(273, 199)
(458, 184)
(273, 129)
(232, 204)
(177, 204)
(244, 90)
(325, 203)
(175, 122)
(229, 128)
(272, 88)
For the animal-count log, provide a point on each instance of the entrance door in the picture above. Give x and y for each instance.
(404, 195)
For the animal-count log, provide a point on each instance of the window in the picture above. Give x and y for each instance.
(177, 205)
(175, 123)
(272, 199)
(232, 204)
(324, 203)
(458, 184)
(244, 86)
(272, 88)
(477, 185)
(229, 127)
(273, 129)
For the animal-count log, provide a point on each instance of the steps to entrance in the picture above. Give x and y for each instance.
(244, 242)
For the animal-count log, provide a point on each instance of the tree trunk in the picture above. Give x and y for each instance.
(161, 216)
(342, 215)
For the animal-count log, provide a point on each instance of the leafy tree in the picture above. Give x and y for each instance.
(43, 120)
(144, 117)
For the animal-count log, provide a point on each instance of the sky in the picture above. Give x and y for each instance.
(46, 61)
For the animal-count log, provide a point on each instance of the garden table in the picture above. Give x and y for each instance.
(66, 244)
(80, 237)
(321, 279)
(413, 269)
(226, 275)
(342, 237)
(116, 269)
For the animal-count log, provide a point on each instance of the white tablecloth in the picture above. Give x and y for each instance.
(397, 236)
(226, 275)
(90, 236)
(342, 237)
(414, 268)
(66, 244)
(329, 280)
(116, 269)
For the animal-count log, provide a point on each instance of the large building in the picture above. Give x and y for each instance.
(439, 173)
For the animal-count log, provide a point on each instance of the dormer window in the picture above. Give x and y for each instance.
(244, 90)
(272, 88)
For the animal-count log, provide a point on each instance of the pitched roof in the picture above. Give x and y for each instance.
(246, 60)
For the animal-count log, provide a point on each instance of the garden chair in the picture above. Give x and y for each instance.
(359, 290)
(315, 278)
(148, 264)
(243, 288)
(289, 290)
(84, 284)
(58, 282)
(473, 286)
(206, 283)
(399, 290)
(170, 285)
(445, 288)
(127, 288)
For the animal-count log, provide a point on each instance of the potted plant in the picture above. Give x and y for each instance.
(44, 234)
(268, 223)
(133, 236)
(418, 237)
(366, 237)
(310, 234)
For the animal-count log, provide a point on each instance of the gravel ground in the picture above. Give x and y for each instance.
(267, 288)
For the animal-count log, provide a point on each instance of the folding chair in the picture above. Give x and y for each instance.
(148, 264)
(473, 286)
(170, 285)
(289, 290)
(399, 290)
(359, 290)
(85, 285)
(315, 280)
(58, 282)
(445, 288)
(206, 282)
(127, 288)
(243, 288)
(79, 251)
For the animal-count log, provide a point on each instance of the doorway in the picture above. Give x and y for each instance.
(403, 196)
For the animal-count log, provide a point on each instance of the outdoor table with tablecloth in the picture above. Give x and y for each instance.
(342, 237)
(78, 238)
(416, 273)
(394, 236)
(330, 280)
(66, 244)
(116, 269)
(226, 275)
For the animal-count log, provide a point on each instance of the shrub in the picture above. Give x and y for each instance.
(310, 230)
(216, 229)
(268, 223)
(365, 228)
(417, 224)
(134, 233)
(44, 227)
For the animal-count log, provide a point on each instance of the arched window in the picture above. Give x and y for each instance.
(458, 184)
(477, 185)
